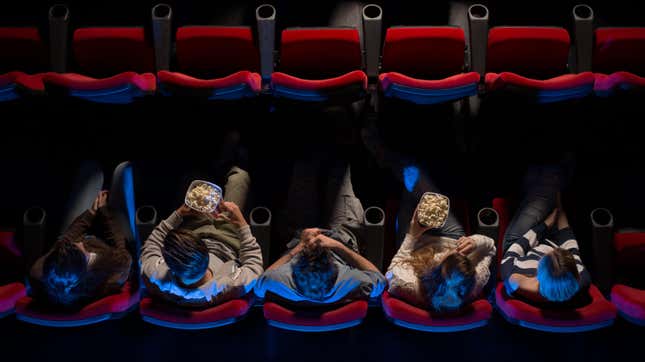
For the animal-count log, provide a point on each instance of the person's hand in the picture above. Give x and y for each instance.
(184, 210)
(99, 201)
(308, 234)
(416, 229)
(326, 242)
(465, 245)
(550, 220)
(233, 213)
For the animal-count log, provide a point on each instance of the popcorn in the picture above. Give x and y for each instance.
(203, 197)
(433, 210)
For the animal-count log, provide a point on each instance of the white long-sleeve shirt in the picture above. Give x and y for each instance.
(404, 283)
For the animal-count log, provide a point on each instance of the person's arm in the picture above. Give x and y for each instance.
(482, 254)
(151, 254)
(78, 228)
(111, 233)
(527, 287)
(565, 239)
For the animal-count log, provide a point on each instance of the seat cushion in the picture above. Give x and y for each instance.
(104, 51)
(424, 51)
(235, 86)
(9, 295)
(348, 87)
(166, 315)
(121, 88)
(336, 318)
(618, 82)
(619, 50)
(564, 87)
(538, 52)
(423, 91)
(630, 302)
(597, 314)
(473, 315)
(22, 50)
(112, 306)
(320, 53)
(216, 51)
(14, 85)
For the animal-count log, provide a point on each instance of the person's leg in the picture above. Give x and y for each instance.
(341, 204)
(122, 204)
(542, 185)
(85, 188)
(236, 189)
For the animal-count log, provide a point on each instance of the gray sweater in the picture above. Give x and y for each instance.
(234, 274)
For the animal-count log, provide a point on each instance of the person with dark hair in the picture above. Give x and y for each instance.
(195, 259)
(82, 267)
(541, 261)
(324, 266)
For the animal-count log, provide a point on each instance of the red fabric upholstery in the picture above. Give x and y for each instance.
(217, 51)
(116, 303)
(349, 312)
(499, 81)
(22, 49)
(630, 301)
(619, 49)
(232, 309)
(107, 51)
(605, 84)
(539, 52)
(289, 81)
(320, 52)
(458, 80)
(598, 311)
(503, 210)
(253, 80)
(424, 51)
(9, 295)
(476, 311)
(145, 82)
(8, 244)
(623, 241)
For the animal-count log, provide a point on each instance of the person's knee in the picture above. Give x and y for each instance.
(238, 176)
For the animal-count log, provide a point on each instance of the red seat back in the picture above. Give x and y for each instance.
(103, 52)
(537, 52)
(22, 49)
(320, 52)
(619, 49)
(424, 52)
(216, 51)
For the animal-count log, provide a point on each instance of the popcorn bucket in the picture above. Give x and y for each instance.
(433, 209)
(203, 196)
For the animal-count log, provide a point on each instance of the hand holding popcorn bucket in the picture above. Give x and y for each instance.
(203, 196)
(432, 210)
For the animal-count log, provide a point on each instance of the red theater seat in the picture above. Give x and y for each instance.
(220, 63)
(598, 313)
(165, 315)
(473, 315)
(629, 253)
(115, 63)
(320, 65)
(334, 318)
(10, 257)
(424, 65)
(531, 62)
(110, 307)
(23, 52)
(619, 60)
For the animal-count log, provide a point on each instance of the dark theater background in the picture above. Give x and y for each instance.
(142, 97)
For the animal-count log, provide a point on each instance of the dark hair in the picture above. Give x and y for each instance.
(185, 254)
(449, 284)
(558, 275)
(63, 269)
(314, 272)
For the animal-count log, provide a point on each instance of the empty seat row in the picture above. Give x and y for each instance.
(420, 64)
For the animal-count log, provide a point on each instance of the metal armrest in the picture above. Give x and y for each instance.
(162, 37)
(602, 234)
(372, 24)
(58, 38)
(146, 220)
(478, 23)
(374, 221)
(265, 17)
(261, 227)
(583, 37)
(34, 223)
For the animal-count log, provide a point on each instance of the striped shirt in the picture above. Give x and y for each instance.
(524, 255)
